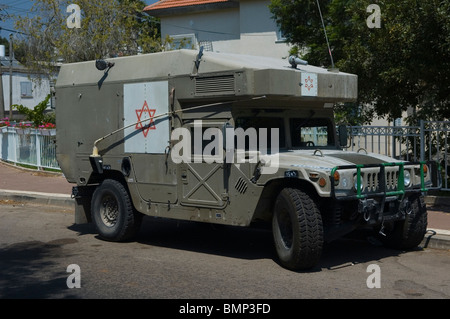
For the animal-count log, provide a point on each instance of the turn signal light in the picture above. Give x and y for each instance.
(322, 182)
(425, 170)
(336, 177)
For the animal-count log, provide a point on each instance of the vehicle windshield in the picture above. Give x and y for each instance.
(311, 133)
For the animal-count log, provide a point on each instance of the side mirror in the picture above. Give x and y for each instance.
(343, 136)
(102, 65)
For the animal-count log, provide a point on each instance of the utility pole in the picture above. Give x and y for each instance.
(10, 75)
(2, 101)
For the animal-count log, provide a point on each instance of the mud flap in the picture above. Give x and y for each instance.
(83, 197)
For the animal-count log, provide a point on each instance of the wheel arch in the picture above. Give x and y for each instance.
(264, 208)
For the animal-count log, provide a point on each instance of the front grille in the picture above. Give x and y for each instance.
(372, 180)
(391, 180)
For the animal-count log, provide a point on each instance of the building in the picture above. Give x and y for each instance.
(245, 27)
(27, 89)
(230, 26)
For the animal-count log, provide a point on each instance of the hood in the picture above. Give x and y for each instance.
(328, 159)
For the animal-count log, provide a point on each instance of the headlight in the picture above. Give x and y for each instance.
(407, 178)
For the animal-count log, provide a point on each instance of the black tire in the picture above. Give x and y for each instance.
(113, 213)
(409, 233)
(297, 230)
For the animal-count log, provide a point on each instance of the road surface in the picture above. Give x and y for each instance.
(43, 254)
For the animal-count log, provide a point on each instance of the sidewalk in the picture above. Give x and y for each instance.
(18, 184)
(23, 185)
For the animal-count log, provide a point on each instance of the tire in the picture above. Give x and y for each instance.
(409, 233)
(297, 230)
(113, 213)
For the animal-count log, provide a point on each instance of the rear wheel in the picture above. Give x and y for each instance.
(297, 230)
(113, 213)
(409, 233)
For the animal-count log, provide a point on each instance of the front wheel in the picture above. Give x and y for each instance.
(408, 233)
(113, 213)
(297, 230)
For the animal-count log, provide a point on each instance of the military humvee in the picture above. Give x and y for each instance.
(228, 139)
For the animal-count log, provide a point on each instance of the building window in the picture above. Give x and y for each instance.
(26, 90)
(182, 41)
(280, 36)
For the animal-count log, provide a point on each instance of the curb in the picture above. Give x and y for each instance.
(437, 239)
(431, 200)
(37, 172)
(58, 200)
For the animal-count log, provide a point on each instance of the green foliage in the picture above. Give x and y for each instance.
(109, 28)
(404, 64)
(37, 114)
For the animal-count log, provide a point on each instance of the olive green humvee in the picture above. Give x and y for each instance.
(229, 139)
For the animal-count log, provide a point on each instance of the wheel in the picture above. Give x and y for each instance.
(408, 233)
(297, 230)
(113, 213)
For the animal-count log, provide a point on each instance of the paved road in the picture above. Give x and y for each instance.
(172, 260)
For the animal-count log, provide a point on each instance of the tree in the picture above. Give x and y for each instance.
(404, 63)
(108, 28)
(37, 114)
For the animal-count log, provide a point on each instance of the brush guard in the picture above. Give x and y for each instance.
(386, 203)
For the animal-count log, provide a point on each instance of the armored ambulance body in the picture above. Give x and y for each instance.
(228, 139)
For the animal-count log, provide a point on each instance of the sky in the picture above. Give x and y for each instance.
(20, 7)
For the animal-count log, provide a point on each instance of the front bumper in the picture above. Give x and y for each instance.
(380, 189)
(385, 180)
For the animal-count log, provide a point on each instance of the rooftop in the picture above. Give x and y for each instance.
(4, 61)
(174, 6)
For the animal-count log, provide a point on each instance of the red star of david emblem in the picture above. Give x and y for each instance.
(309, 86)
(147, 126)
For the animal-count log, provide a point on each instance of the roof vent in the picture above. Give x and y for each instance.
(219, 85)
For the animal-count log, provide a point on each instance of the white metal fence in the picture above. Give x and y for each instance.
(34, 147)
(429, 141)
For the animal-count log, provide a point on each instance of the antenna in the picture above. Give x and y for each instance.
(326, 37)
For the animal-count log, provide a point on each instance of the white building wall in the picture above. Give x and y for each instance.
(207, 26)
(248, 29)
(39, 90)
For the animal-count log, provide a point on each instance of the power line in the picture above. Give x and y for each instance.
(9, 30)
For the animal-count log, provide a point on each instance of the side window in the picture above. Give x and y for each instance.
(251, 131)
